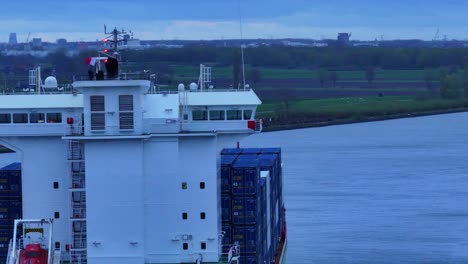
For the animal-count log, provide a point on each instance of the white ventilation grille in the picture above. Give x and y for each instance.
(126, 112)
(98, 115)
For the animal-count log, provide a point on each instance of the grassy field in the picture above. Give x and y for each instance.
(343, 108)
(305, 113)
(366, 105)
(191, 72)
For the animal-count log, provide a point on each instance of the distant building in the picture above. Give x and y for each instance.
(289, 43)
(319, 44)
(343, 38)
(366, 44)
(12, 40)
(62, 42)
(37, 43)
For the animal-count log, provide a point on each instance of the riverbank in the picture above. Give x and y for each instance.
(316, 113)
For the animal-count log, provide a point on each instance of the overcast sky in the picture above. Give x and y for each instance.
(216, 19)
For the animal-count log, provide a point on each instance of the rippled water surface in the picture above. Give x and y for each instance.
(384, 192)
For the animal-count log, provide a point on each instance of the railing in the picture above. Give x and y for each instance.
(195, 91)
(258, 125)
(122, 76)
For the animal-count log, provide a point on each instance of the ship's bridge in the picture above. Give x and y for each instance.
(130, 108)
(40, 114)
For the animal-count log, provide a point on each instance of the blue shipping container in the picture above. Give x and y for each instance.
(227, 237)
(226, 209)
(231, 151)
(249, 210)
(16, 166)
(226, 167)
(251, 151)
(250, 239)
(253, 259)
(245, 175)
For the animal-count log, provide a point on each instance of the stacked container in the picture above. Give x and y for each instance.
(254, 181)
(10, 204)
(228, 157)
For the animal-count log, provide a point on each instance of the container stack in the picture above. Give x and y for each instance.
(251, 205)
(10, 204)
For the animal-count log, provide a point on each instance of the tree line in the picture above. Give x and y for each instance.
(330, 58)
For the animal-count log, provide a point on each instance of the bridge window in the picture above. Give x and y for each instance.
(126, 111)
(20, 118)
(35, 118)
(98, 118)
(199, 115)
(217, 115)
(247, 114)
(234, 114)
(5, 118)
(54, 117)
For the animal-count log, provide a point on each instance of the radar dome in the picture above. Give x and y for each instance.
(181, 87)
(50, 83)
(193, 86)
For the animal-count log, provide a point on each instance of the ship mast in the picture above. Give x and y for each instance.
(115, 37)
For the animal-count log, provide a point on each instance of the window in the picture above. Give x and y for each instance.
(199, 115)
(57, 245)
(185, 246)
(20, 118)
(5, 118)
(217, 115)
(234, 115)
(202, 215)
(247, 114)
(184, 186)
(98, 118)
(56, 185)
(203, 245)
(54, 117)
(184, 216)
(35, 118)
(126, 111)
(202, 185)
(185, 116)
(56, 215)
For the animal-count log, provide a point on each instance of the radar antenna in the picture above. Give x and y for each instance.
(115, 37)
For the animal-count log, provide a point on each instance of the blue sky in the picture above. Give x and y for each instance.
(215, 19)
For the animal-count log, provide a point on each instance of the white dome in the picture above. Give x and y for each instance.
(193, 86)
(181, 87)
(50, 82)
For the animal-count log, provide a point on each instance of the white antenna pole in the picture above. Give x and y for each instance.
(242, 45)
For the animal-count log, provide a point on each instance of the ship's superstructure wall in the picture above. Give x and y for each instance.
(152, 200)
(128, 175)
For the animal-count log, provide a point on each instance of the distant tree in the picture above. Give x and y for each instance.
(255, 75)
(334, 78)
(450, 88)
(429, 78)
(453, 69)
(236, 69)
(322, 76)
(370, 74)
(464, 82)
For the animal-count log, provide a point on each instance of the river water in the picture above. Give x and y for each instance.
(383, 192)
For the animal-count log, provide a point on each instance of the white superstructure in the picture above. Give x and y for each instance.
(128, 174)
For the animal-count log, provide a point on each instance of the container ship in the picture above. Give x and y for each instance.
(113, 170)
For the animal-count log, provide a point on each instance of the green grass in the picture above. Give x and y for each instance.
(367, 106)
(190, 72)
